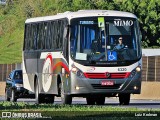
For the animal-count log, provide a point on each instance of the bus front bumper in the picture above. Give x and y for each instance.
(85, 86)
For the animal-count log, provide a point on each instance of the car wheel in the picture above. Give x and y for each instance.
(6, 96)
(66, 99)
(124, 99)
(13, 98)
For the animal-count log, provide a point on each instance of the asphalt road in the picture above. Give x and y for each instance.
(144, 104)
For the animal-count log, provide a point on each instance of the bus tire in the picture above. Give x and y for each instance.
(66, 99)
(13, 98)
(100, 100)
(90, 100)
(40, 98)
(124, 99)
(49, 99)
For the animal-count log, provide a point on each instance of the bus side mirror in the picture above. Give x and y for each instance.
(65, 42)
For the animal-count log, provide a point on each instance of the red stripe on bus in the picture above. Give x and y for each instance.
(61, 64)
(49, 56)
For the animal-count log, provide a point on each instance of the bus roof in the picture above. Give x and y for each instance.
(82, 13)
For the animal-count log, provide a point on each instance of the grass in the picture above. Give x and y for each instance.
(11, 43)
(78, 112)
(56, 107)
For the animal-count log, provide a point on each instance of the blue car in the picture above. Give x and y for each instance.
(14, 86)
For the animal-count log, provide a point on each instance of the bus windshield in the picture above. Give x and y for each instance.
(105, 39)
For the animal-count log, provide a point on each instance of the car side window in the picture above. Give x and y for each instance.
(18, 75)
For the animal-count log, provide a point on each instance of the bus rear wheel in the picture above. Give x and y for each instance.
(39, 97)
(124, 99)
(66, 99)
(49, 99)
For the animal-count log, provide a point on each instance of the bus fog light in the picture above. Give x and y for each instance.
(135, 87)
(138, 69)
(77, 87)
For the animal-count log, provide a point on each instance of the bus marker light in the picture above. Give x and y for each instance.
(67, 75)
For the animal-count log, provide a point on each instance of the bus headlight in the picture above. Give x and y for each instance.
(138, 69)
(77, 71)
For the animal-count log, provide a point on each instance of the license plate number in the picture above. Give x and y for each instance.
(107, 83)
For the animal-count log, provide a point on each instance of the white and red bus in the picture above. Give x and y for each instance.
(75, 54)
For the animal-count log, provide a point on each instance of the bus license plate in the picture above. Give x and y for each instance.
(107, 83)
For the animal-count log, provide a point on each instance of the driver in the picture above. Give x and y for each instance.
(120, 44)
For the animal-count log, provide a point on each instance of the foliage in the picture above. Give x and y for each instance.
(13, 15)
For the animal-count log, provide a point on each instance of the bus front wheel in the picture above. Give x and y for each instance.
(66, 99)
(90, 100)
(124, 99)
(100, 100)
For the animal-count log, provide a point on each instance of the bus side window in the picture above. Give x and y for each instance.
(29, 37)
(41, 40)
(48, 44)
(43, 36)
(52, 35)
(56, 36)
(39, 36)
(33, 38)
(26, 37)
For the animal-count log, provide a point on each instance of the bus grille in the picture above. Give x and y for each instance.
(107, 75)
(99, 86)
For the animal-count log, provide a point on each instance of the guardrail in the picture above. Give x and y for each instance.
(5, 69)
(151, 68)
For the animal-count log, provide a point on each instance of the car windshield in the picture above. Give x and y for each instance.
(18, 75)
(105, 39)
